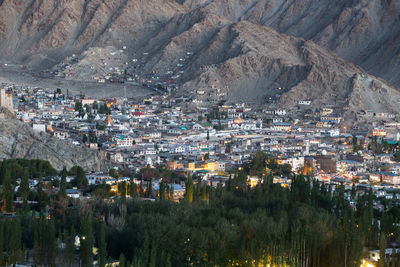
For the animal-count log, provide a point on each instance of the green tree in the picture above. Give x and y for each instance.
(8, 192)
(122, 260)
(100, 127)
(162, 191)
(122, 189)
(24, 188)
(88, 109)
(153, 255)
(36, 247)
(168, 263)
(113, 173)
(2, 244)
(86, 240)
(63, 184)
(149, 189)
(189, 189)
(78, 105)
(44, 243)
(43, 199)
(102, 247)
(382, 250)
(80, 178)
(50, 244)
(14, 242)
(79, 108)
(133, 189)
(70, 248)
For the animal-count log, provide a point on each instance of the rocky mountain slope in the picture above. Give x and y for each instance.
(43, 32)
(245, 58)
(256, 63)
(365, 32)
(17, 140)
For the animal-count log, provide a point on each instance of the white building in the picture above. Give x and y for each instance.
(280, 112)
(305, 102)
(38, 127)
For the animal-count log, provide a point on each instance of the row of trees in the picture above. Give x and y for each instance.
(27, 239)
(18, 173)
(100, 108)
(308, 224)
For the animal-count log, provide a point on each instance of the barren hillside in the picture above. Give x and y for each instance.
(229, 49)
(365, 32)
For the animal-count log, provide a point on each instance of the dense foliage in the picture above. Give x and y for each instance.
(237, 225)
(307, 224)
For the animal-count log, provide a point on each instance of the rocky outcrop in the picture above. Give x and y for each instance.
(17, 140)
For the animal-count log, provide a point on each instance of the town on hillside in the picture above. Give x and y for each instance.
(188, 138)
(154, 143)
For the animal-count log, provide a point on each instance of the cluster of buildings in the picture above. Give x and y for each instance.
(185, 136)
(188, 137)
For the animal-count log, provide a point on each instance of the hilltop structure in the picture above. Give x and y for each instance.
(6, 100)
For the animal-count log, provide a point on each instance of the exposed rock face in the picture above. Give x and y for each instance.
(17, 140)
(257, 60)
(43, 32)
(251, 60)
(365, 32)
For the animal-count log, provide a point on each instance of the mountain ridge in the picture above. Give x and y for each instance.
(249, 60)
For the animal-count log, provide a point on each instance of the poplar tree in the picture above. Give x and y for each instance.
(189, 189)
(122, 189)
(141, 190)
(24, 188)
(133, 190)
(2, 244)
(49, 240)
(102, 247)
(70, 248)
(86, 240)
(63, 184)
(168, 263)
(137, 257)
(80, 179)
(382, 250)
(122, 260)
(149, 189)
(8, 192)
(198, 189)
(36, 247)
(145, 250)
(153, 255)
(205, 193)
(162, 191)
(171, 192)
(15, 240)
(42, 198)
